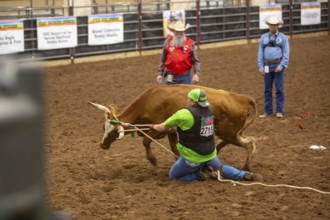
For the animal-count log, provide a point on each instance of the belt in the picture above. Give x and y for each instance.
(270, 62)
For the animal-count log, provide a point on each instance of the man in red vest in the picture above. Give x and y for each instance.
(178, 57)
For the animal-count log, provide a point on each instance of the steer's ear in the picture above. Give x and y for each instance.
(113, 108)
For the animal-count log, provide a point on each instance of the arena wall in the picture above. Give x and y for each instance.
(143, 28)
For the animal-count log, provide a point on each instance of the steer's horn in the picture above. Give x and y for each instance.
(101, 107)
(121, 131)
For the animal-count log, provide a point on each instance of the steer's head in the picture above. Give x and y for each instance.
(112, 131)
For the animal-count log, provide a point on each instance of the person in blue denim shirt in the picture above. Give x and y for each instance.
(198, 156)
(273, 59)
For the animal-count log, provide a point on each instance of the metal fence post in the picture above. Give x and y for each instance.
(33, 45)
(198, 25)
(95, 8)
(140, 26)
(53, 10)
(71, 50)
(290, 19)
(328, 17)
(248, 20)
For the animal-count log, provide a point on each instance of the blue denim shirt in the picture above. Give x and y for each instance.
(280, 51)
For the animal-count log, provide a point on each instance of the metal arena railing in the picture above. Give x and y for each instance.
(210, 21)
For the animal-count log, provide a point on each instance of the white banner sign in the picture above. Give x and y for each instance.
(105, 29)
(310, 13)
(266, 11)
(11, 36)
(170, 17)
(56, 33)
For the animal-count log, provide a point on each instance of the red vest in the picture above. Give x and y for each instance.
(178, 60)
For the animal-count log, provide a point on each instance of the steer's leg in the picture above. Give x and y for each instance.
(249, 143)
(150, 156)
(147, 141)
(173, 140)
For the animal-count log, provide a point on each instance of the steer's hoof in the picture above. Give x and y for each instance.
(152, 160)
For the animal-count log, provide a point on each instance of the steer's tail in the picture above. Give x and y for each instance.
(251, 113)
(249, 143)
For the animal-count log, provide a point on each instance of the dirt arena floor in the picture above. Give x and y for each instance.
(119, 183)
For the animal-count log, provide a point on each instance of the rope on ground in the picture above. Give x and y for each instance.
(219, 176)
(270, 185)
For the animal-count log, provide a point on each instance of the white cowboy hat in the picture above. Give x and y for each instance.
(179, 26)
(171, 26)
(274, 20)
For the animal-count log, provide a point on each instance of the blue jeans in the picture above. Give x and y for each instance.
(269, 78)
(177, 79)
(184, 170)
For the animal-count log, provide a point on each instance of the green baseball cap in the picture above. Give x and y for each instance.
(199, 96)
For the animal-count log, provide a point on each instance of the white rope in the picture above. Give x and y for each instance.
(144, 129)
(269, 185)
(142, 125)
(155, 141)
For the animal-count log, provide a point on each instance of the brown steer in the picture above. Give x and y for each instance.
(233, 114)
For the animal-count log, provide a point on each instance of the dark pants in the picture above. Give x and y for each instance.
(278, 78)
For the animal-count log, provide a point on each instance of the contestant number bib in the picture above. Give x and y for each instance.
(206, 130)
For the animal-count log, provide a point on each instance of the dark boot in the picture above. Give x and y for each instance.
(253, 177)
(201, 175)
(210, 172)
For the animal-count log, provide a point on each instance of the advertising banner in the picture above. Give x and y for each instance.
(310, 13)
(11, 36)
(56, 33)
(105, 29)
